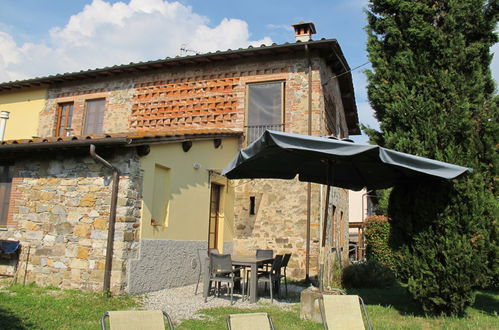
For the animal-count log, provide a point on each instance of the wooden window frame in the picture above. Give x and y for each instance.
(60, 109)
(84, 126)
(214, 210)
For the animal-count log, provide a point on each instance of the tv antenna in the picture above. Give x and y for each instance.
(184, 50)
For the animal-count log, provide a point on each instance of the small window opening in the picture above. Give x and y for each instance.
(252, 205)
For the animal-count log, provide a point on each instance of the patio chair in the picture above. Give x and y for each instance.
(272, 275)
(261, 253)
(282, 272)
(136, 320)
(222, 271)
(264, 253)
(203, 260)
(250, 321)
(343, 312)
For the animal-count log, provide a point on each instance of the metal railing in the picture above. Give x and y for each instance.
(253, 132)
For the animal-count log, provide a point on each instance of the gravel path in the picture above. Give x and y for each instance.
(181, 303)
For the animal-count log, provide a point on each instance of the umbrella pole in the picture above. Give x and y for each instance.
(324, 223)
(324, 231)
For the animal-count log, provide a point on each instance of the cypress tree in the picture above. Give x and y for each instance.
(432, 91)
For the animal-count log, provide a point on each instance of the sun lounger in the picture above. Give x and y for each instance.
(343, 312)
(136, 320)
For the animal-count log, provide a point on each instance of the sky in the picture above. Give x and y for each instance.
(39, 38)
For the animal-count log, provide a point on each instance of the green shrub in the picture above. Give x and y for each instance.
(444, 243)
(377, 235)
(370, 274)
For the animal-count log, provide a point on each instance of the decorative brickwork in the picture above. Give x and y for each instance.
(186, 102)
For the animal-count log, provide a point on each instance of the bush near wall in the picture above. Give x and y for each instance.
(369, 274)
(377, 235)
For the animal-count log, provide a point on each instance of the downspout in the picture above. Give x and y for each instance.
(309, 185)
(4, 116)
(112, 218)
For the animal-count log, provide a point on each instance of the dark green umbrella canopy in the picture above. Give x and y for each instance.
(280, 155)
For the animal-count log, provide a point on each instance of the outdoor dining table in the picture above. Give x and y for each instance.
(247, 261)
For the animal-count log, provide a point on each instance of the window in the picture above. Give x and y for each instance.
(64, 118)
(252, 205)
(265, 108)
(161, 196)
(6, 174)
(94, 116)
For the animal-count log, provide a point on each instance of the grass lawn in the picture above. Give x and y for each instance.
(216, 318)
(387, 308)
(394, 309)
(31, 307)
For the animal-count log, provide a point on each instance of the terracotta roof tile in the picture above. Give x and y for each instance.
(121, 138)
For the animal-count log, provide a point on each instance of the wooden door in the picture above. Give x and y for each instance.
(214, 216)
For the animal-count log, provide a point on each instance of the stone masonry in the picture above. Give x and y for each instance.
(63, 209)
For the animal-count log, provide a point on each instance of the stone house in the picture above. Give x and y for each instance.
(167, 128)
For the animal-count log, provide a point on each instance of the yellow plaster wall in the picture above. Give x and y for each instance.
(24, 107)
(188, 207)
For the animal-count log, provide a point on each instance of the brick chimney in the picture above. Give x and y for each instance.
(304, 31)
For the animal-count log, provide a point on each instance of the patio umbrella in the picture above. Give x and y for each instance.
(281, 155)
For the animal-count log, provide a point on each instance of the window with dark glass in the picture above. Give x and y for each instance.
(94, 116)
(64, 118)
(6, 174)
(265, 108)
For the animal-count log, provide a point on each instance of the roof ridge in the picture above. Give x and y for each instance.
(136, 65)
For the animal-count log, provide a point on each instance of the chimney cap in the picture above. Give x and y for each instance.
(304, 31)
(309, 25)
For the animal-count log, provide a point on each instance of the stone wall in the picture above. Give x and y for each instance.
(336, 243)
(279, 222)
(63, 204)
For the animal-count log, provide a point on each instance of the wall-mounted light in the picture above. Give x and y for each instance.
(143, 150)
(217, 143)
(197, 166)
(186, 145)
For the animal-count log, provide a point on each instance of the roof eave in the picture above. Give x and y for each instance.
(163, 63)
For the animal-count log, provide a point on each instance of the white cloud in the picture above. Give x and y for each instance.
(10, 55)
(285, 27)
(104, 34)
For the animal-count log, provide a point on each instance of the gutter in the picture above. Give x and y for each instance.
(309, 185)
(112, 218)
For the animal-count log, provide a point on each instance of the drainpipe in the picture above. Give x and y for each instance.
(112, 218)
(309, 185)
(4, 115)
